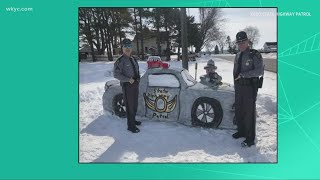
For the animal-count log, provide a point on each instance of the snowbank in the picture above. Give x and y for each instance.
(104, 138)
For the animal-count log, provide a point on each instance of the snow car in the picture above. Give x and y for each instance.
(172, 94)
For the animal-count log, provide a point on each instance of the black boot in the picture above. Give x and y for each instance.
(237, 135)
(134, 129)
(138, 123)
(247, 143)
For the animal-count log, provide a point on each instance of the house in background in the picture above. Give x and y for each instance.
(86, 52)
(150, 43)
(117, 51)
(270, 47)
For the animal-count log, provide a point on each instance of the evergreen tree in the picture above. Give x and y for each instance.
(216, 50)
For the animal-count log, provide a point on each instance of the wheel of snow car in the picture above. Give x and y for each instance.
(119, 106)
(206, 112)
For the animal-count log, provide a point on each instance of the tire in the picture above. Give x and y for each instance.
(206, 112)
(119, 106)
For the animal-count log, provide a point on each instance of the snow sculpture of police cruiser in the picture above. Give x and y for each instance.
(172, 94)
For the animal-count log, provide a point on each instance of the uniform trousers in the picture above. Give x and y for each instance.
(245, 110)
(130, 96)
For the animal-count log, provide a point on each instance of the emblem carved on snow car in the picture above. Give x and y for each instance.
(160, 103)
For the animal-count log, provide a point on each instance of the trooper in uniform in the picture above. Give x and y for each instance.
(126, 69)
(248, 66)
(212, 78)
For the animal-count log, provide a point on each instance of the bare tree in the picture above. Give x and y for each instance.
(210, 20)
(253, 35)
(85, 28)
(103, 28)
(209, 47)
(222, 41)
(228, 43)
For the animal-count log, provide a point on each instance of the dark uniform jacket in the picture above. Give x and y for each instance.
(251, 66)
(123, 69)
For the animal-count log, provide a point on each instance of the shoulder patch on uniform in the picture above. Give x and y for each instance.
(119, 58)
(256, 53)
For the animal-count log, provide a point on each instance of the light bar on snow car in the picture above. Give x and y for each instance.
(158, 64)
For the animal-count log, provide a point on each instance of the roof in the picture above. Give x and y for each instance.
(87, 48)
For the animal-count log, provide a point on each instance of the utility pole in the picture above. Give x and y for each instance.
(141, 34)
(184, 39)
(136, 24)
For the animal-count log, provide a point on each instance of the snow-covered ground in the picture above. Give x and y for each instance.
(269, 55)
(104, 137)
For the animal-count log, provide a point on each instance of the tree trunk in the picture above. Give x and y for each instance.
(168, 44)
(141, 34)
(100, 21)
(184, 39)
(158, 32)
(96, 28)
(136, 24)
(120, 38)
(158, 43)
(107, 35)
(109, 47)
(178, 52)
(105, 32)
(103, 45)
(89, 35)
